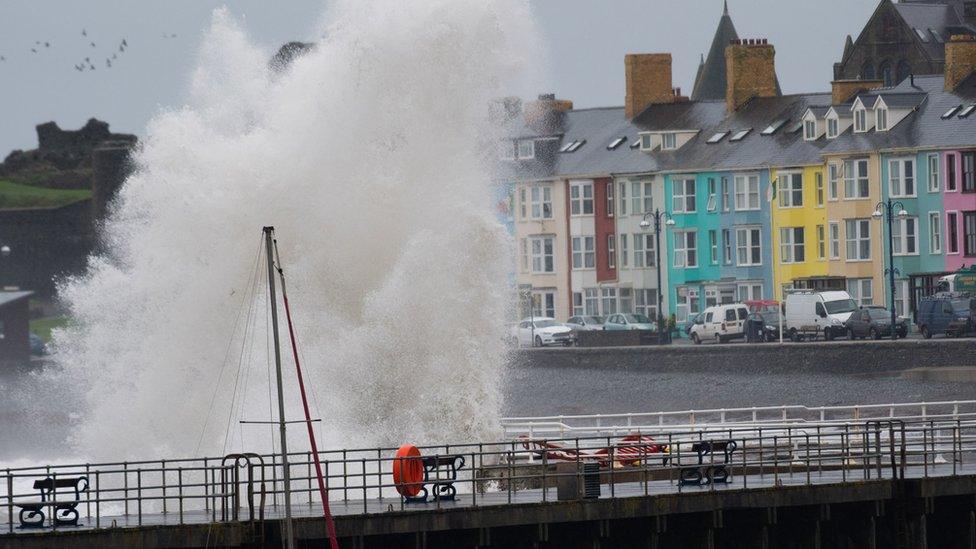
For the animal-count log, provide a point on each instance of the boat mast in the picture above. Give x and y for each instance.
(268, 241)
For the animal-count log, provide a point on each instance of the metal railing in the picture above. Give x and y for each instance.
(249, 486)
(613, 424)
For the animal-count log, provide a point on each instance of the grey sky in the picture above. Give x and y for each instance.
(586, 41)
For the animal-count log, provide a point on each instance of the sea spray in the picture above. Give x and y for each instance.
(368, 155)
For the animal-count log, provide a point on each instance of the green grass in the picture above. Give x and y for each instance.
(43, 326)
(15, 195)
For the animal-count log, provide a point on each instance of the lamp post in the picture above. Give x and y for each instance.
(656, 215)
(888, 210)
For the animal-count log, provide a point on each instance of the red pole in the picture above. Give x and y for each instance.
(329, 524)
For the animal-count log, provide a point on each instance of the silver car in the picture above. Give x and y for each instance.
(585, 323)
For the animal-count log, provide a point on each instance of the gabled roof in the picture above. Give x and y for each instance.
(711, 81)
(818, 110)
(922, 129)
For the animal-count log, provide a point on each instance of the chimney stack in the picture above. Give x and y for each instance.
(545, 109)
(960, 59)
(648, 81)
(843, 90)
(750, 71)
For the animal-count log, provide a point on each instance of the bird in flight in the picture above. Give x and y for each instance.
(124, 43)
(2, 58)
(33, 50)
(108, 63)
(93, 44)
(47, 44)
(84, 32)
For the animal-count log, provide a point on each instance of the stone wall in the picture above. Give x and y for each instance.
(839, 357)
(46, 244)
(960, 60)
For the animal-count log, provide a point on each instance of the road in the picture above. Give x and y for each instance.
(548, 390)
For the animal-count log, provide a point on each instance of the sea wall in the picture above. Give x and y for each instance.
(838, 357)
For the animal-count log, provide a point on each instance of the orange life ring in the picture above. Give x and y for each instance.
(408, 471)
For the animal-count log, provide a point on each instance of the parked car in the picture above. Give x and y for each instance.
(585, 323)
(541, 332)
(635, 321)
(721, 323)
(764, 324)
(945, 313)
(813, 314)
(874, 322)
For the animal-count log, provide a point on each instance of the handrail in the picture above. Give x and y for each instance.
(211, 490)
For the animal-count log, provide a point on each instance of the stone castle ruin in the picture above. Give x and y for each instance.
(79, 172)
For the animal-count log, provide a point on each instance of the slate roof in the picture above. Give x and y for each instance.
(711, 80)
(784, 148)
(9, 297)
(942, 17)
(923, 128)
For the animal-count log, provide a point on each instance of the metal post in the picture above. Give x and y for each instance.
(179, 480)
(891, 270)
(286, 474)
(10, 500)
(163, 467)
(98, 503)
(657, 265)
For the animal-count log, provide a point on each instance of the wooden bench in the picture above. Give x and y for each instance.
(710, 467)
(65, 512)
(440, 472)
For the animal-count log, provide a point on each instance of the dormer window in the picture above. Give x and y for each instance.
(506, 150)
(860, 120)
(669, 141)
(809, 130)
(645, 142)
(526, 149)
(881, 118)
(832, 126)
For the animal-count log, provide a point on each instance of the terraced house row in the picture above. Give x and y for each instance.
(767, 192)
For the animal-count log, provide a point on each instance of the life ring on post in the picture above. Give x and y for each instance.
(408, 471)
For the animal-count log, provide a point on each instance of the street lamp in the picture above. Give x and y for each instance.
(888, 210)
(656, 215)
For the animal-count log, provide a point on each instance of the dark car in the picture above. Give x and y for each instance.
(874, 322)
(945, 313)
(763, 326)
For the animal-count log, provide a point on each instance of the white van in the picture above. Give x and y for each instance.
(720, 323)
(812, 314)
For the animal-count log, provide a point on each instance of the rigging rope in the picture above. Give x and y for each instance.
(230, 343)
(330, 525)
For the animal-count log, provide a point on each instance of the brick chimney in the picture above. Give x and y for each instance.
(544, 109)
(750, 72)
(842, 90)
(648, 81)
(960, 59)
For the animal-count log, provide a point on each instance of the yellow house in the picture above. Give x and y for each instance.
(799, 228)
(854, 244)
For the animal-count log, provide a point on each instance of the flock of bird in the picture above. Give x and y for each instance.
(88, 63)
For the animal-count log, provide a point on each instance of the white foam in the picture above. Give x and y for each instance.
(368, 157)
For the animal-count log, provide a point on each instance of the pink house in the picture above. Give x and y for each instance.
(959, 202)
